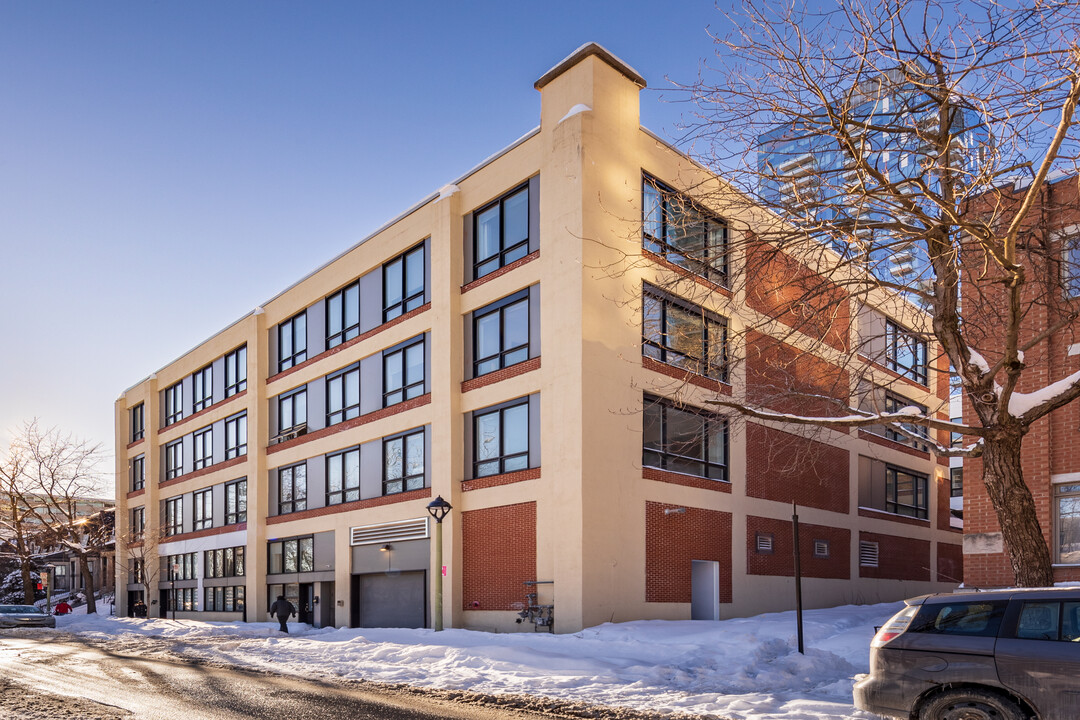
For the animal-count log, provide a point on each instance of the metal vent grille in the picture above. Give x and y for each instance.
(415, 529)
(764, 542)
(821, 548)
(868, 553)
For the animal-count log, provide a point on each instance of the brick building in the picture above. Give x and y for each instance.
(1051, 450)
(478, 348)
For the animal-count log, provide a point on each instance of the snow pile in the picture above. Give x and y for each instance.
(745, 668)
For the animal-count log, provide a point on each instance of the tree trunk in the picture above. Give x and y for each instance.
(29, 586)
(1015, 508)
(88, 585)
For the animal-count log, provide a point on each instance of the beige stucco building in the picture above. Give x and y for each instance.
(487, 347)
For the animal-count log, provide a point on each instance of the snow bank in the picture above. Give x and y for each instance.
(744, 668)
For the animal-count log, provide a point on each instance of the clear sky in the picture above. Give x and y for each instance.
(166, 167)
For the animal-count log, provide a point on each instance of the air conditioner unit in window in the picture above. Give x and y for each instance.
(289, 434)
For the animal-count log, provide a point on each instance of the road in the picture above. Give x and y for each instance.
(47, 674)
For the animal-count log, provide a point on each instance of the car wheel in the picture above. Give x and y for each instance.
(972, 704)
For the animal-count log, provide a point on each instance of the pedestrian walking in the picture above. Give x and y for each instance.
(284, 610)
(62, 608)
(139, 609)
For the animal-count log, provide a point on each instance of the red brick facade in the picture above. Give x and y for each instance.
(781, 377)
(498, 555)
(781, 561)
(504, 374)
(790, 468)
(899, 558)
(673, 540)
(950, 563)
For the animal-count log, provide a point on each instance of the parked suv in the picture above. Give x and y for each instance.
(1000, 655)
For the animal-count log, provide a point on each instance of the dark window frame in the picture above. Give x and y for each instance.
(658, 242)
(287, 477)
(287, 407)
(894, 403)
(188, 567)
(224, 562)
(896, 337)
(663, 458)
(138, 422)
(225, 598)
(919, 488)
(407, 390)
(138, 523)
(174, 516)
(203, 509)
(205, 438)
(347, 330)
(174, 403)
(174, 459)
(346, 411)
(138, 472)
(505, 354)
(348, 492)
(406, 481)
(295, 328)
(202, 380)
(664, 350)
(408, 303)
(238, 499)
(505, 254)
(237, 421)
(236, 371)
(956, 489)
(505, 461)
(299, 542)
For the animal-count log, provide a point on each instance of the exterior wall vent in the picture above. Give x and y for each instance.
(868, 553)
(416, 529)
(821, 548)
(765, 543)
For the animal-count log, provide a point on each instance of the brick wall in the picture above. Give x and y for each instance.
(786, 379)
(782, 561)
(673, 540)
(498, 555)
(950, 562)
(899, 558)
(786, 467)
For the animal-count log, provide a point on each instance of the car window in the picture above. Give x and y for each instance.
(978, 619)
(1039, 621)
(1070, 622)
(19, 609)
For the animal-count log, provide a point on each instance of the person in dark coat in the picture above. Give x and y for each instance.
(140, 609)
(283, 609)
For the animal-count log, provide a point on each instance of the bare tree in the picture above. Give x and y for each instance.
(901, 149)
(20, 528)
(144, 562)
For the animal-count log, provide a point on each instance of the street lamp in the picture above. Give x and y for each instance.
(172, 587)
(438, 508)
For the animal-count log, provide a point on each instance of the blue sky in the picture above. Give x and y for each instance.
(167, 167)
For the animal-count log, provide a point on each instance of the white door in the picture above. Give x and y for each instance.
(704, 590)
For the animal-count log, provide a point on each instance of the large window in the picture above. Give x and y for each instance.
(1067, 524)
(403, 373)
(956, 482)
(905, 353)
(905, 492)
(403, 463)
(225, 599)
(181, 567)
(174, 403)
(236, 371)
(236, 502)
(343, 477)
(501, 232)
(675, 229)
(174, 459)
(138, 472)
(138, 523)
(204, 448)
(292, 410)
(291, 555)
(292, 489)
(138, 422)
(236, 436)
(343, 315)
(182, 599)
(501, 440)
(684, 440)
(403, 283)
(292, 342)
(174, 516)
(683, 335)
(224, 562)
(204, 509)
(501, 334)
(895, 403)
(1070, 266)
(202, 388)
(343, 395)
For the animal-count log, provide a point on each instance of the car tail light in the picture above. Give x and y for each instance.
(896, 626)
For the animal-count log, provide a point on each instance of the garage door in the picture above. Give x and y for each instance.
(396, 600)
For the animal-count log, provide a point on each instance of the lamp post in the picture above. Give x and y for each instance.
(172, 588)
(438, 508)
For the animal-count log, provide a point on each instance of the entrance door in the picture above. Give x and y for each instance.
(704, 590)
(304, 603)
(134, 596)
(397, 600)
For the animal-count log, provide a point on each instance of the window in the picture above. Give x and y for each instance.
(236, 502)
(174, 516)
(683, 335)
(174, 403)
(403, 463)
(763, 543)
(821, 548)
(343, 395)
(343, 315)
(343, 477)
(224, 562)
(501, 440)
(202, 388)
(501, 334)
(236, 436)
(403, 283)
(979, 619)
(138, 472)
(675, 229)
(236, 371)
(181, 567)
(1048, 620)
(1067, 523)
(1070, 267)
(225, 599)
(138, 423)
(403, 373)
(292, 410)
(204, 510)
(868, 553)
(684, 440)
(137, 571)
(292, 555)
(956, 482)
(501, 232)
(905, 353)
(138, 523)
(292, 489)
(895, 403)
(204, 448)
(174, 459)
(292, 342)
(182, 599)
(905, 492)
